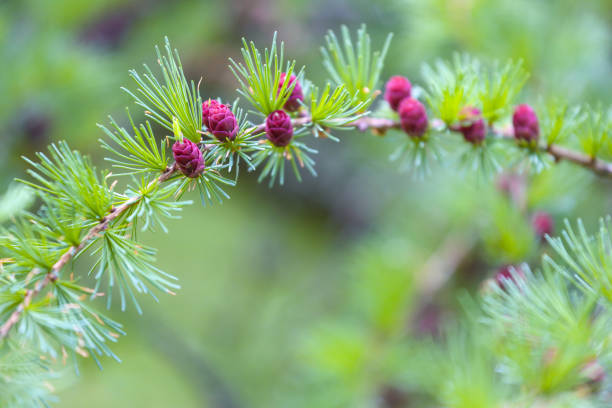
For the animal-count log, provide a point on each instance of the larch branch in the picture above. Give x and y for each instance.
(53, 273)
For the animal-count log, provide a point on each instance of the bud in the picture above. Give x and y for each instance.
(397, 89)
(413, 117)
(222, 122)
(206, 108)
(297, 94)
(542, 224)
(525, 123)
(472, 127)
(188, 158)
(279, 129)
(508, 273)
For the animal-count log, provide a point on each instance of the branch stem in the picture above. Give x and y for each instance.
(381, 125)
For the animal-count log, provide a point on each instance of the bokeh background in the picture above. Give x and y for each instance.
(310, 294)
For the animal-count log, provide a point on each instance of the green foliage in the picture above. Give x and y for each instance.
(275, 157)
(30, 246)
(128, 266)
(92, 329)
(334, 110)
(585, 258)
(140, 153)
(156, 204)
(482, 158)
(466, 370)
(594, 134)
(501, 85)
(560, 122)
(16, 198)
(60, 221)
(174, 97)
(69, 176)
(534, 333)
(24, 377)
(260, 76)
(355, 66)
(418, 155)
(209, 183)
(75, 199)
(451, 87)
(547, 333)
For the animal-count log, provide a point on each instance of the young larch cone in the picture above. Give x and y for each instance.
(397, 89)
(472, 125)
(206, 107)
(222, 122)
(542, 224)
(297, 94)
(279, 129)
(188, 158)
(413, 117)
(525, 123)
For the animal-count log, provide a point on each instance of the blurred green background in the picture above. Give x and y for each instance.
(309, 294)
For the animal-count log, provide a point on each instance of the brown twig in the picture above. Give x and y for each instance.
(53, 274)
(598, 166)
(559, 153)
